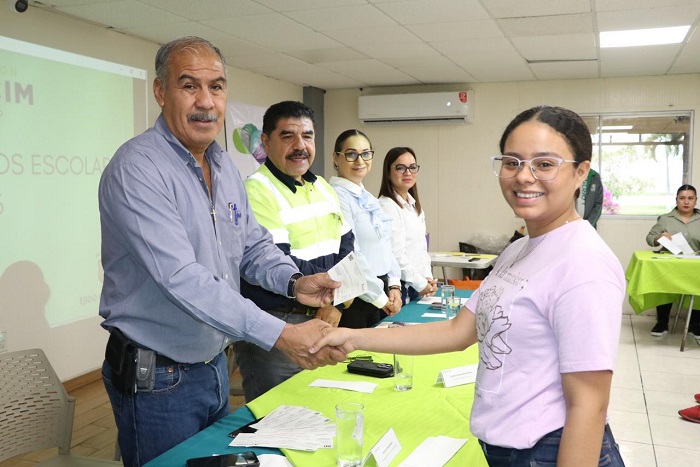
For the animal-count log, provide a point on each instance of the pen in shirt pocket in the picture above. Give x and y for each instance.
(233, 213)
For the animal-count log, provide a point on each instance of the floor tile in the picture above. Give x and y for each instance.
(627, 400)
(658, 381)
(674, 432)
(674, 457)
(667, 364)
(637, 454)
(668, 403)
(629, 426)
(627, 378)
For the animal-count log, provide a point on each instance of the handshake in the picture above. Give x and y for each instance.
(297, 340)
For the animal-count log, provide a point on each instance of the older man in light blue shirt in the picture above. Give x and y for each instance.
(177, 235)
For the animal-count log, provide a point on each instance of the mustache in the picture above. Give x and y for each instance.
(298, 153)
(202, 117)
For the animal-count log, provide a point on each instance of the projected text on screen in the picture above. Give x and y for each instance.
(62, 116)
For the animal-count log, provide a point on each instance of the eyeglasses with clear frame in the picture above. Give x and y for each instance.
(413, 168)
(542, 168)
(351, 156)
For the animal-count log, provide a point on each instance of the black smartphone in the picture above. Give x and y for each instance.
(377, 370)
(247, 458)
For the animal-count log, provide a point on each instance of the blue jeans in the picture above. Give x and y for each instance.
(186, 399)
(545, 452)
(262, 370)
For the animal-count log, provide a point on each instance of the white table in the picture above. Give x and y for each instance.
(450, 259)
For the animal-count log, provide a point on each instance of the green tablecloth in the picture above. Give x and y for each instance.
(426, 410)
(655, 278)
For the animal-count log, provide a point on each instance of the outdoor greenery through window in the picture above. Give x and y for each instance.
(642, 160)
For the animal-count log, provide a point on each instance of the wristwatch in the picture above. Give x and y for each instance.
(291, 286)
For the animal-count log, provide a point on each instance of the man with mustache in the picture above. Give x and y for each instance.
(302, 212)
(178, 235)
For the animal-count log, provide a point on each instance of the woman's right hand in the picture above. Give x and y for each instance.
(429, 289)
(663, 234)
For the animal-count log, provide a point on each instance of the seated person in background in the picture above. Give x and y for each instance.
(683, 218)
(398, 197)
(302, 213)
(352, 158)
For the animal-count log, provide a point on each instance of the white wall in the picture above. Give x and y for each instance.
(78, 348)
(457, 188)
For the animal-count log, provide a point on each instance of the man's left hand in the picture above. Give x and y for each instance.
(316, 290)
(329, 314)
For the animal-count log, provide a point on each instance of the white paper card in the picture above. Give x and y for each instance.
(348, 272)
(434, 452)
(385, 449)
(677, 244)
(273, 460)
(290, 427)
(458, 376)
(434, 315)
(358, 386)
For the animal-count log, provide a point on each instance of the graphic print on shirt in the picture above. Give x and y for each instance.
(490, 327)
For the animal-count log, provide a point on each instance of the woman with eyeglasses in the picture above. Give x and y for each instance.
(685, 219)
(398, 196)
(352, 158)
(546, 319)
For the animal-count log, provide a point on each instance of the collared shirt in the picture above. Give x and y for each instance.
(305, 222)
(173, 259)
(672, 223)
(408, 240)
(372, 229)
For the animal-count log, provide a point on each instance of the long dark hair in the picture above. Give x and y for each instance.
(387, 189)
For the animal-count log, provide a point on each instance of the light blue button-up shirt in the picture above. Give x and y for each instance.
(173, 258)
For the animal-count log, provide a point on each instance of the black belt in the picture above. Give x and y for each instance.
(162, 360)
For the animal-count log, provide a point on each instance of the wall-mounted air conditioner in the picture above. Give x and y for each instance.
(426, 108)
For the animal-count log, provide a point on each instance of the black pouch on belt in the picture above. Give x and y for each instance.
(121, 357)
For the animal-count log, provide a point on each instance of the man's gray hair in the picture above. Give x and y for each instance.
(189, 44)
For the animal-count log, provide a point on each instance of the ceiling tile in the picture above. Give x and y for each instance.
(551, 25)
(342, 18)
(505, 66)
(407, 62)
(259, 27)
(394, 50)
(296, 42)
(434, 11)
(371, 71)
(327, 55)
(439, 74)
(523, 8)
(475, 47)
(615, 5)
(565, 70)
(687, 61)
(286, 5)
(371, 36)
(645, 18)
(306, 75)
(122, 14)
(571, 46)
(651, 60)
(265, 60)
(462, 30)
(214, 8)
